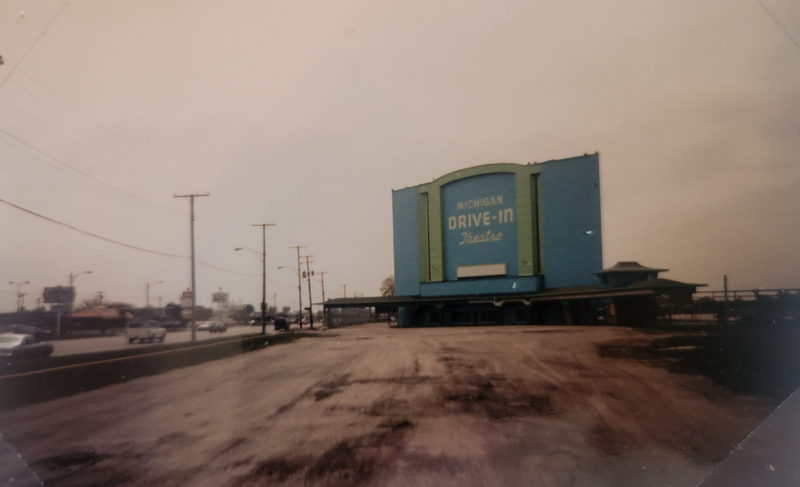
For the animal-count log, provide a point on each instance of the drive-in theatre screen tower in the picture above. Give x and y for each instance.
(508, 243)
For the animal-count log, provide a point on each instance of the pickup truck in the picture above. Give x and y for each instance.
(146, 331)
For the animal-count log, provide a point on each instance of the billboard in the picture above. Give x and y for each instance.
(59, 295)
(220, 298)
(480, 226)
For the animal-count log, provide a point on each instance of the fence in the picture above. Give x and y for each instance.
(744, 306)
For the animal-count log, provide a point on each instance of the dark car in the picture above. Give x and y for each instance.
(281, 324)
(18, 346)
(173, 325)
(39, 333)
(218, 327)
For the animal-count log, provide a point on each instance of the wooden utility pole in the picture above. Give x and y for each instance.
(191, 198)
(324, 309)
(263, 274)
(310, 299)
(299, 288)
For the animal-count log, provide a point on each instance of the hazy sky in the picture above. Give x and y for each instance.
(307, 114)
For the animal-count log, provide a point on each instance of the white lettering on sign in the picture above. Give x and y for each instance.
(480, 202)
(468, 238)
(480, 219)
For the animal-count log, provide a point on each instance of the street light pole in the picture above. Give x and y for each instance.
(299, 287)
(20, 294)
(191, 197)
(72, 277)
(147, 286)
(263, 274)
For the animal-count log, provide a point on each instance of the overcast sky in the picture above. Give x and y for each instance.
(306, 114)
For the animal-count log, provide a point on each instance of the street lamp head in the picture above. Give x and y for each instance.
(238, 249)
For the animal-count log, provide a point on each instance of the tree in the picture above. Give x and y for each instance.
(387, 286)
(201, 313)
(89, 303)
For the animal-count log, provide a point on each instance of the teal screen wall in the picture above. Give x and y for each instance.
(479, 223)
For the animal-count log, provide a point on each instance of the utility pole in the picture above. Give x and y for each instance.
(275, 301)
(310, 299)
(191, 197)
(725, 299)
(299, 288)
(20, 294)
(324, 309)
(263, 274)
(345, 290)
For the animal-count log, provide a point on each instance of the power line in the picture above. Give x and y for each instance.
(45, 155)
(779, 24)
(114, 241)
(56, 162)
(90, 234)
(36, 41)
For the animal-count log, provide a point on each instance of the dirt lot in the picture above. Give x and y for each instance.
(371, 405)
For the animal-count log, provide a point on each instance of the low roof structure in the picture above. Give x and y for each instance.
(629, 266)
(595, 292)
(645, 287)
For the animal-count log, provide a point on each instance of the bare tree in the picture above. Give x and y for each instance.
(387, 286)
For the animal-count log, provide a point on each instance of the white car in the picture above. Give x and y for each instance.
(204, 326)
(146, 331)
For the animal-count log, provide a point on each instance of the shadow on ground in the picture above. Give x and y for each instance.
(751, 361)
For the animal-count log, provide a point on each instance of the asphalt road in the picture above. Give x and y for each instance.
(98, 344)
(370, 405)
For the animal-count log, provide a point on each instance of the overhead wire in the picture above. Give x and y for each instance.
(56, 162)
(47, 157)
(115, 241)
(35, 43)
(780, 24)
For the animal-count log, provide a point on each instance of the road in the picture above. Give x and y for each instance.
(371, 405)
(99, 344)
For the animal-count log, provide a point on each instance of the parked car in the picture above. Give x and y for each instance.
(19, 346)
(146, 331)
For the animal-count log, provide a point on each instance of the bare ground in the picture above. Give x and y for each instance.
(370, 405)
